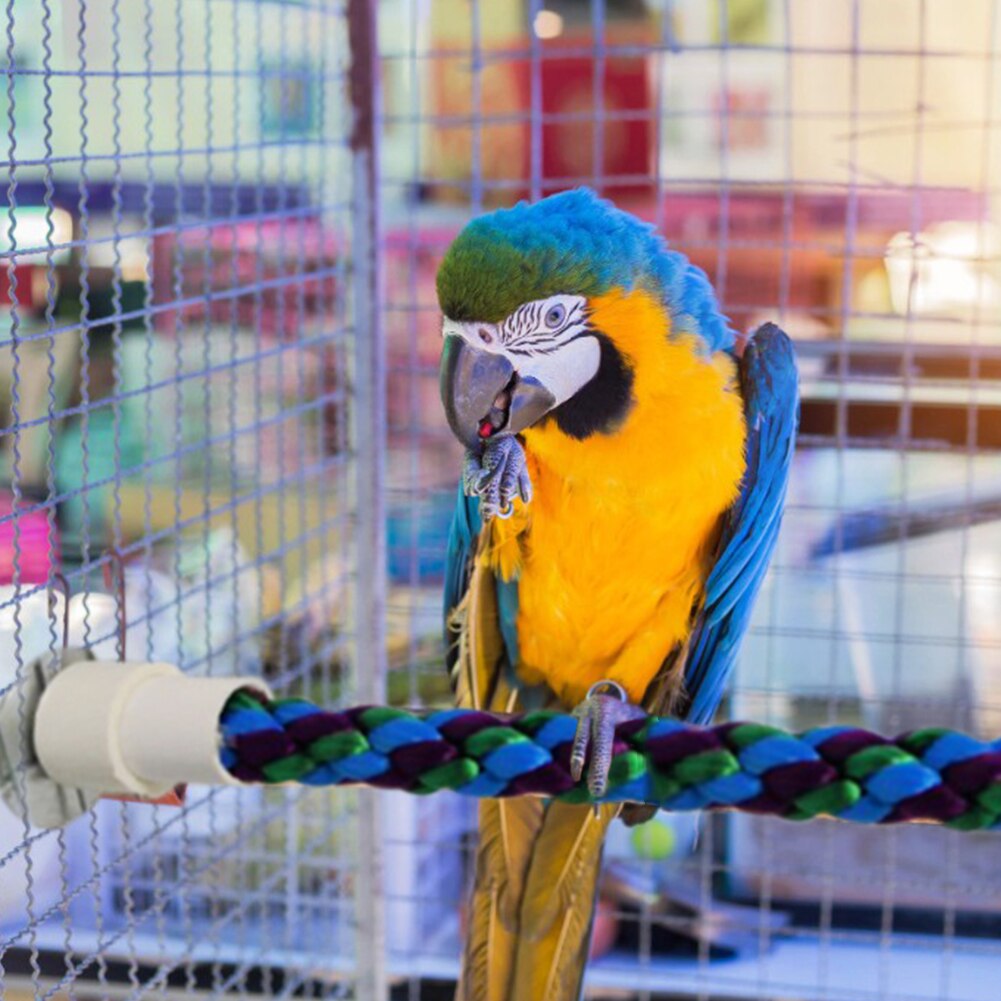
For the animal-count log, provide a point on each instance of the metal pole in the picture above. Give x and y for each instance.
(368, 441)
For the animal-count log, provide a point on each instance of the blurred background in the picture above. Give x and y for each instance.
(220, 424)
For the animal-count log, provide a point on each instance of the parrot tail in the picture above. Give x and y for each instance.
(532, 906)
(538, 861)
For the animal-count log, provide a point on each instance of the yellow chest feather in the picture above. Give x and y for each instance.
(615, 547)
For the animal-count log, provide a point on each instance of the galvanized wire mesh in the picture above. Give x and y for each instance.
(197, 358)
(833, 168)
(177, 249)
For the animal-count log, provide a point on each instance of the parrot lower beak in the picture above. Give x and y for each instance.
(484, 396)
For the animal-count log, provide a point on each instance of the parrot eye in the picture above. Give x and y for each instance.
(555, 315)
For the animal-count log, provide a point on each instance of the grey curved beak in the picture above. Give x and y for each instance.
(471, 381)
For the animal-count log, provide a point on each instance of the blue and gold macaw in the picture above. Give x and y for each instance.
(621, 496)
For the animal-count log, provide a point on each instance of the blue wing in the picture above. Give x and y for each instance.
(462, 536)
(771, 405)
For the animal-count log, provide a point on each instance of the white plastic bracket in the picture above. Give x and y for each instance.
(115, 727)
(24, 786)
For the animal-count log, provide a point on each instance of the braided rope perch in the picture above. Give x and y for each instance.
(931, 775)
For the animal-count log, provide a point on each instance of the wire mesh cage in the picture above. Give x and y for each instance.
(223, 448)
(177, 247)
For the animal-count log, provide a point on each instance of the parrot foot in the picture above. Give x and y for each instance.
(604, 708)
(497, 476)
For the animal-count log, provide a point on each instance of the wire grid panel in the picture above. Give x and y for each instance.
(175, 446)
(832, 166)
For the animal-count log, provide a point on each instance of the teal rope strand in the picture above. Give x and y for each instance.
(930, 775)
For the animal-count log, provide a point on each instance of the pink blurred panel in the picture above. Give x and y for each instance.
(31, 536)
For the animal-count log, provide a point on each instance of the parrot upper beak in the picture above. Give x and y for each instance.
(484, 396)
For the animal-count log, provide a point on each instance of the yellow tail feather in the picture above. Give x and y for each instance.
(537, 863)
(558, 906)
(547, 864)
(507, 833)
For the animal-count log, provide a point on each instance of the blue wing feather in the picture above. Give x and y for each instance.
(507, 611)
(462, 536)
(771, 404)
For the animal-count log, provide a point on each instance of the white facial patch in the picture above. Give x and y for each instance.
(566, 371)
(548, 340)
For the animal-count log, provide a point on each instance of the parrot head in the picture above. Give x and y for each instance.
(521, 345)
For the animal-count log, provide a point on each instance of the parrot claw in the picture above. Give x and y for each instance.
(471, 473)
(604, 708)
(497, 476)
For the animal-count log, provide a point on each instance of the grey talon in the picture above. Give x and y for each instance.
(471, 472)
(607, 687)
(604, 707)
(497, 475)
(578, 752)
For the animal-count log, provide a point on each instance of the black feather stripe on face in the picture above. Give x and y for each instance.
(602, 404)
